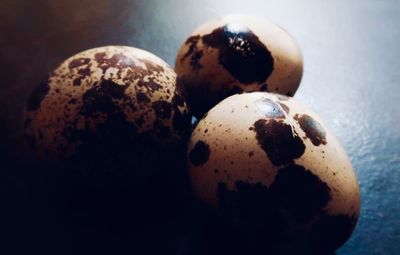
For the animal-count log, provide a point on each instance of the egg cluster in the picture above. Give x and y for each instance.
(264, 162)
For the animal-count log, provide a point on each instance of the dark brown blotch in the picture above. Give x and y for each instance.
(118, 60)
(278, 141)
(192, 42)
(241, 53)
(193, 52)
(150, 85)
(313, 129)
(77, 81)
(100, 98)
(300, 192)
(78, 62)
(272, 215)
(84, 72)
(142, 97)
(195, 60)
(200, 153)
(251, 207)
(192, 39)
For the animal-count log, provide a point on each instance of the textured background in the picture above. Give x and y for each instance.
(351, 79)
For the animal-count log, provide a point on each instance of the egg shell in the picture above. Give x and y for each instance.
(237, 53)
(109, 128)
(104, 92)
(270, 165)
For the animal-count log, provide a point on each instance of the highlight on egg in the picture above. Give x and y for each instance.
(272, 168)
(235, 54)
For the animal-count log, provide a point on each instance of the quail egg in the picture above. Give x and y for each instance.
(237, 54)
(112, 123)
(269, 165)
(105, 99)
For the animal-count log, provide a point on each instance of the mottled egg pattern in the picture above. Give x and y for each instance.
(267, 162)
(236, 54)
(115, 91)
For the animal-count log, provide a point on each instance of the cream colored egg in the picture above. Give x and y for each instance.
(234, 54)
(106, 100)
(270, 165)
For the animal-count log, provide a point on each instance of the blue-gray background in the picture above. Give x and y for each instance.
(351, 53)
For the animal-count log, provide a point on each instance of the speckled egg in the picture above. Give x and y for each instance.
(105, 98)
(271, 166)
(114, 124)
(111, 111)
(235, 54)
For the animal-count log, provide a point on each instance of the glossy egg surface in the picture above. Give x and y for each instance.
(271, 166)
(236, 54)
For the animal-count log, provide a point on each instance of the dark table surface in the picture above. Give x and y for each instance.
(351, 78)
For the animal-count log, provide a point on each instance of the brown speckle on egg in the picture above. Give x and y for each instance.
(200, 153)
(142, 97)
(77, 81)
(312, 128)
(278, 141)
(193, 52)
(78, 62)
